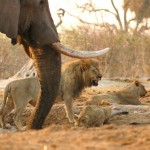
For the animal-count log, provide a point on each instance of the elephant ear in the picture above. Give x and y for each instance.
(45, 32)
(9, 17)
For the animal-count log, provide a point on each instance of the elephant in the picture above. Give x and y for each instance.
(29, 23)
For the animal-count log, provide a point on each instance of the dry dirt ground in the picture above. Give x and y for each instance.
(57, 133)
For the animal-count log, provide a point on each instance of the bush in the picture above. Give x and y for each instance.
(129, 56)
(12, 57)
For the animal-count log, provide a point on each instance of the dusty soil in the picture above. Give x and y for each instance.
(57, 133)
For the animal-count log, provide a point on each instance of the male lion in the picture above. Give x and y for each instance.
(128, 95)
(91, 116)
(76, 75)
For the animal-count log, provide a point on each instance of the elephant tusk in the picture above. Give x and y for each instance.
(76, 53)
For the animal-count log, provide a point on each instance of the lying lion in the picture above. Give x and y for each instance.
(91, 116)
(128, 95)
(75, 77)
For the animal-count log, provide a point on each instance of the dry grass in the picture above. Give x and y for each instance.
(129, 55)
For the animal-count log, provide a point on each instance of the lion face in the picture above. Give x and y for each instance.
(83, 118)
(143, 91)
(95, 75)
(91, 73)
(141, 88)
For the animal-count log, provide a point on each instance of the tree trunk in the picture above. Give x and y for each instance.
(28, 70)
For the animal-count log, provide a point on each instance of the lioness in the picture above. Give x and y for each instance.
(128, 95)
(76, 75)
(95, 116)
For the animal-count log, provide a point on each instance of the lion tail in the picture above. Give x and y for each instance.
(6, 95)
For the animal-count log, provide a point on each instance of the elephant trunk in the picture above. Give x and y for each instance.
(47, 62)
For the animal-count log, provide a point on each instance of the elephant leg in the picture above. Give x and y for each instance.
(48, 66)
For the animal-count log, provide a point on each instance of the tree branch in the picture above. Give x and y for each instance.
(117, 16)
(60, 13)
(81, 20)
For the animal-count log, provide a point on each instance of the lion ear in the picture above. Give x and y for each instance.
(137, 83)
(9, 18)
